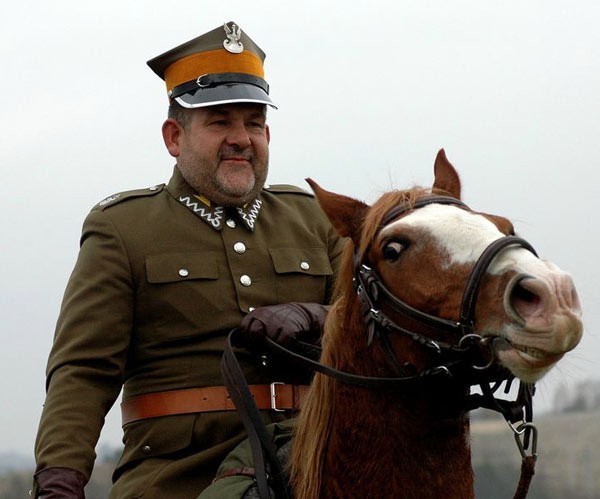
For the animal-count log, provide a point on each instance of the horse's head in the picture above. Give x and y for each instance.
(423, 253)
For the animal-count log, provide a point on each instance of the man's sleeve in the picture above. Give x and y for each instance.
(87, 361)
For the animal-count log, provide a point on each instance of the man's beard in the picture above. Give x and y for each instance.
(219, 183)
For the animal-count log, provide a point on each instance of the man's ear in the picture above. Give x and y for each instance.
(268, 133)
(172, 133)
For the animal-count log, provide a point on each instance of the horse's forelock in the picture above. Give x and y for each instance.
(371, 227)
(375, 216)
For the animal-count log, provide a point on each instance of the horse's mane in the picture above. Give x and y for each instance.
(344, 322)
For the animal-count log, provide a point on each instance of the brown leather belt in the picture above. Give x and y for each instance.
(276, 396)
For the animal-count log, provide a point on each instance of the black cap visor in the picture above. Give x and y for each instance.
(224, 94)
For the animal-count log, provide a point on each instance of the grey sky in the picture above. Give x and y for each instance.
(367, 94)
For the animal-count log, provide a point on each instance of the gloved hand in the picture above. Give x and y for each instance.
(60, 483)
(283, 324)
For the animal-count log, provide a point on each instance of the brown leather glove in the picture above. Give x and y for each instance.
(283, 323)
(60, 483)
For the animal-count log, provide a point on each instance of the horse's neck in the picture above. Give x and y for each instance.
(396, 442)
(379, 447)
(370, 443)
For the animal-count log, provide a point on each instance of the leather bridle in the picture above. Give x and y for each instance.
(371, 289)
(458, 360)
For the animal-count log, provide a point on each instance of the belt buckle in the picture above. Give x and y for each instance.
(274, 396)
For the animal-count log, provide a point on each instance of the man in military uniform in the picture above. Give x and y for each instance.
(162, 276)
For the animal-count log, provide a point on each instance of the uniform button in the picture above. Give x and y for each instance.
(239, 248)
(184, 272)
(230, 223)
(245, 280)
(251, 309)
(304, 265)
(146, 449)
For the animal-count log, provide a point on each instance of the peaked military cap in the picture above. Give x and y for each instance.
(220, 67)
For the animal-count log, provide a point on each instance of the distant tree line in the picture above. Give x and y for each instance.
(584, 396)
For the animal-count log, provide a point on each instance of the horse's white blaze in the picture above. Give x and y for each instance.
(460, 234)
(463, 236)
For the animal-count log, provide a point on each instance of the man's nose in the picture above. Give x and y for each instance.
(238, 135)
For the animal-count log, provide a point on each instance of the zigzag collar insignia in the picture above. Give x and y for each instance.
(249, 213)
(214, 215)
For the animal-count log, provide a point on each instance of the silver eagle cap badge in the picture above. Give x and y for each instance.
(232, 43)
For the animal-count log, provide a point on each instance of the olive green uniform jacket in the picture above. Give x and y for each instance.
(158, 283)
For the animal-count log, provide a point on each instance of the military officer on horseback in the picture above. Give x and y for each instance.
(164, 273)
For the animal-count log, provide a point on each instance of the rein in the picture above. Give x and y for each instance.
(457, 362)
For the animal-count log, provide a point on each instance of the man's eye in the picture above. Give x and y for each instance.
(392, 250)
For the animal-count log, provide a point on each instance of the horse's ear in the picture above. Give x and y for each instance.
(346, 214)
(446, 177)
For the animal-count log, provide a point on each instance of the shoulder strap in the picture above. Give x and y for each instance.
(122, 196)
(287, 189)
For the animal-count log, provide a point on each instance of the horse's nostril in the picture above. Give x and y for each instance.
(524, 298)
(523, 294)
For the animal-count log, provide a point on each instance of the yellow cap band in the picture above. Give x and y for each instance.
(211, 62)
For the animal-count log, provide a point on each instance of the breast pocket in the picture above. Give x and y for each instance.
(185, 294)
(301, 273)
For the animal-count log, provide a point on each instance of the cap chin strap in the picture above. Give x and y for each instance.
(214, 80)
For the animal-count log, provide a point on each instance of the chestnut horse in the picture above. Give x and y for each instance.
(400, 312)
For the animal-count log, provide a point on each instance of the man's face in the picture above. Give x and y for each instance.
(224, 152)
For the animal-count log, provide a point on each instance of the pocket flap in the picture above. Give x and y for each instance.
(177, 267)
(310, 261)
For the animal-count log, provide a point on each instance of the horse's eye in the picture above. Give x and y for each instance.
(392, 250)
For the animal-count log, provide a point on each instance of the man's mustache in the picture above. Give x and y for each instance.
(231, 152)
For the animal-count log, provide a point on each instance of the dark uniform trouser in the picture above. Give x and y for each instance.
(174, 475)
(177, 476)
(183, 474)
(242, 486)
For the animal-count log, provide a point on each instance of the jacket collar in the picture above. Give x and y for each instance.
(212, 214)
